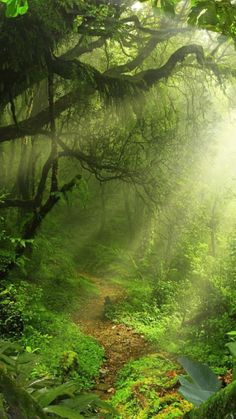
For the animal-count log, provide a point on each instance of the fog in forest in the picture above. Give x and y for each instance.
(118, 203)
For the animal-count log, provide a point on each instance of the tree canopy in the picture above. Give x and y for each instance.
(76, 53)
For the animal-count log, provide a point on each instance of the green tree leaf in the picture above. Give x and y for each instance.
(201, 385)
(47, 397)
(232, 348)
(200, 374)
(63, 412)
(15, 8)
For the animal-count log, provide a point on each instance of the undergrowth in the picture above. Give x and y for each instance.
(36, 310)
(147, 388)
(165, 328)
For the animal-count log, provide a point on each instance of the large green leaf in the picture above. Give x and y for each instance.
(232, 348)
(46, 397)
(200, 374)
(193, 393)
(15, 7)
(201, 385)
(39, 383)
(7, 360)
(24, 358)
(63, 412)
(106, 406)
(9, 348)
(82, 402)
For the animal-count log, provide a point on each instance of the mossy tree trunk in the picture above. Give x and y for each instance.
(221, 405)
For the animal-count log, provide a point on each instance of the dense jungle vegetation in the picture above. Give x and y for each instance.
(117, 209)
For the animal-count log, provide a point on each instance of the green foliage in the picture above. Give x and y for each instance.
(232, 348)
(10, 247)
(164, 6)
(146, 388)
(17, 362)
(15, 7)
(203, 337)
(40, 396)
(55, 346)
(7, 252)
(100, 258)
(69, 363)
(25, 318)
(203, 383)
(214, 16)
(11, 323)
(38, 314)
(53, 267)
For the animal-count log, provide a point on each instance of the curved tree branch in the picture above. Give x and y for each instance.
(96, 81)
(79, 49)
(160, 36)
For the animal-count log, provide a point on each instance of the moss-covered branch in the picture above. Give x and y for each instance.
(93, 80)
(153, 41)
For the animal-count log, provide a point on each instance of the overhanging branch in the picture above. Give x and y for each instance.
(113, 87)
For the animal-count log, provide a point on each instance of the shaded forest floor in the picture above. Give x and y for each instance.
(121, 343)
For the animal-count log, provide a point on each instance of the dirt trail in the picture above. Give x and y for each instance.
(121, 343)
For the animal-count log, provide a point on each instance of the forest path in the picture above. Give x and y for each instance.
(121, 343)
